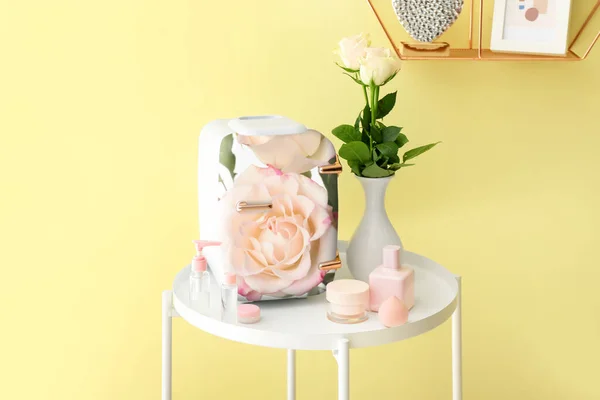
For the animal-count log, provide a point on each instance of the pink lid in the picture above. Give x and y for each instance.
(347, 292)
(391, 256)
(230, 278)
(199, 264)
(248, 311)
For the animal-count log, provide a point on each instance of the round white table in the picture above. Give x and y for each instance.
(302, 324)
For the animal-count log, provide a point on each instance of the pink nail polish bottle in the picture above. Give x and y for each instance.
(391, 279)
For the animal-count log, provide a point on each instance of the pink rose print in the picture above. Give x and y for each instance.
(291, 153)
(277, 253)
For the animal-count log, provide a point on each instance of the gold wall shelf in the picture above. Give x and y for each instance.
(481, 54)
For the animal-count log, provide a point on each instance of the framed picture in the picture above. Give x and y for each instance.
(531, 26)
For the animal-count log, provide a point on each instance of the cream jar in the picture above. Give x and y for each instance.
(248, 313)
(348, 301)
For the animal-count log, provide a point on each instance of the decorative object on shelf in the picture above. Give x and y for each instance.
(371, 149)
(439, 49)
(426, 20)
(578, 49)
(393, 312)
(348, 301)
(248, 313)
(268, 191)
(531, 26)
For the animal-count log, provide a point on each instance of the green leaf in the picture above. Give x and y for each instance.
(355, 80)
(385, 104)
(375, 171)
(355, 151)
(391, 133)
(376, 155)
(356, 167)
(366, 118)
(388, 149)
(347, 69)
(383, 161)
(376, 134)
(397, 166)
(346, 133)
(365, 138)
(357, 123)
(226, 156)
(394, 159)
(401, 140)
(409, 155)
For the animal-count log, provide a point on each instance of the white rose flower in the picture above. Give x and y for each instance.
(352, 49)
(378, 65)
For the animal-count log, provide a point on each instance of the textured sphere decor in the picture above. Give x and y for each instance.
(426, 20)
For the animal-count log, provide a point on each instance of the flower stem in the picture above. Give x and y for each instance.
(375, 104)
(366, 96)
(374, 100)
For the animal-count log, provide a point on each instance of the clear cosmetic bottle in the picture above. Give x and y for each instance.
(229, 295)
(200, 279)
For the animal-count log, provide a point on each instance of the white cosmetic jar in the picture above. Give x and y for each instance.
(348, 301)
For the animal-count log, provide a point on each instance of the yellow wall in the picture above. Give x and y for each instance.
(100, 107)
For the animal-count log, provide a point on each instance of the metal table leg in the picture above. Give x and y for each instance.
(167, 328)
(457, 347)
(291, 374)
(342, 356)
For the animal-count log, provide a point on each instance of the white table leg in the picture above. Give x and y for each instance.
(167, 327)
(291, 374)
(457, 347)
(342, 356)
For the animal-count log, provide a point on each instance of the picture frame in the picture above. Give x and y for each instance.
(531, 26)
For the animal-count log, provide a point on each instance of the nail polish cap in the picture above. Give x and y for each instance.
(391, 256)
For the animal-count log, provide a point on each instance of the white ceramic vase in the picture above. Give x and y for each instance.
(374, 231)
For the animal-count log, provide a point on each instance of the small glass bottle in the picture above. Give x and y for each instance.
(200, 278)
(200, 286)
(229, 296)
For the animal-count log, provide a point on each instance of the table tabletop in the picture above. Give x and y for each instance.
(302, 324)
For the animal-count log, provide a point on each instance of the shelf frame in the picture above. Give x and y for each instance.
(482, 54)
